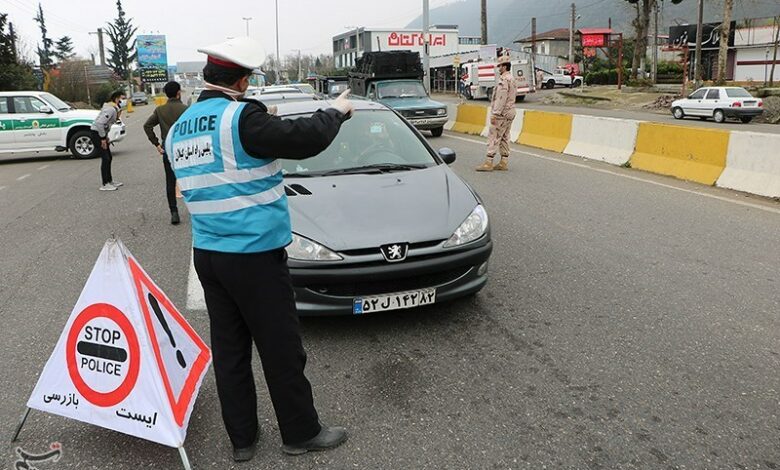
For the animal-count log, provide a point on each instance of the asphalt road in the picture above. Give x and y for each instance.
(533, 101)
(630, 322)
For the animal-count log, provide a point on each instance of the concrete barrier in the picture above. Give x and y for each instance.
(753, 164)
(689, 153)
(452, 114)
(160, 100)
(517, 126)
(606, 139)
(549, 131)
(470, 119)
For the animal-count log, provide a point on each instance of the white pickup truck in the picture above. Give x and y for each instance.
(560, 77)
(36, 121)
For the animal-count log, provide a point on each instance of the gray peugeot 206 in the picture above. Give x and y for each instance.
(380, 222)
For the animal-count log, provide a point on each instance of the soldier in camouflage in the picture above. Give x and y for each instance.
(502, 113)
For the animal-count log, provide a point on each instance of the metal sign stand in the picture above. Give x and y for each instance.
(185, 461)
(21, 424)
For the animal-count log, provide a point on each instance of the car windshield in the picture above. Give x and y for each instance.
(335, 89)
(305, 88)
(370, 142)
(55, 102)
(738, 93)
(408, 89)
(139, 94)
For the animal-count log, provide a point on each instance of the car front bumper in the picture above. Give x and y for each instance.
(332, 290)
(428, 123)
(743, 112)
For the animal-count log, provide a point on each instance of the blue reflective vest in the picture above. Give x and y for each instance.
(237, 202)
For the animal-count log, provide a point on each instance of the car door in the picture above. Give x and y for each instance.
(34, 129)
(711, 102)
(693, 105)
(6, 126)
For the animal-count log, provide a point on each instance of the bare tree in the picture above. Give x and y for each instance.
(725, 32)
(776, 29)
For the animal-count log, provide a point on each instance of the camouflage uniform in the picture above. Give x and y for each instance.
(502, 113)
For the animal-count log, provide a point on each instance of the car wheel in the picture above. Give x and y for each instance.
(82, 146)
(678, 113)
(490, 94)
(577, 83)
(437, 132)
(719, 116)
(521, 98)
(746, 119)
(551, 84)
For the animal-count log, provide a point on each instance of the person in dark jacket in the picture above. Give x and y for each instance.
(225, 154)
(100, 127)
(165, 116)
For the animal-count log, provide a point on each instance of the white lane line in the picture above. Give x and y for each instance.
(43, 167)
(26, 175)
(196, 299)
(635, 178)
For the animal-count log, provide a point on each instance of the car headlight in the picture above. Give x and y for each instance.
(471, 229)
(304, 249)
(441, 112)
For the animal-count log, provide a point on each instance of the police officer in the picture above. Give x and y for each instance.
(223, 151)
(502, 113)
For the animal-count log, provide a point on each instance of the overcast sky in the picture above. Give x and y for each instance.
(308, 25)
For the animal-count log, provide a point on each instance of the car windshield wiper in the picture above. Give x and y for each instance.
(377, 168)
(299, 175)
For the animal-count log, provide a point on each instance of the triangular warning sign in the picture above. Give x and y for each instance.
(113, 365)
(181, 356)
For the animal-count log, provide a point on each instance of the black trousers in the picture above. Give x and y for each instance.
(250, 298)
(170, 184)
(105, 159)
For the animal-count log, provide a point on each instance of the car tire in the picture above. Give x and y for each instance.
(550, 84)
(746, 119)
(577, 83)
(490, 94)
(719, 116)
(521, 98)
(82, 146)
(437, 132)
(678, 113)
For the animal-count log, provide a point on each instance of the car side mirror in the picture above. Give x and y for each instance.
(448, 155)
(45, 110)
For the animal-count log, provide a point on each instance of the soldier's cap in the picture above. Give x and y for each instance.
(504, 60)
(236, 53)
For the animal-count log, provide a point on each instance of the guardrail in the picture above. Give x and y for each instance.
(744, 161)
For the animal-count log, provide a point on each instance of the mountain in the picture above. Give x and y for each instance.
(511, 19)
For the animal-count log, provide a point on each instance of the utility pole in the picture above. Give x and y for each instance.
(533, 52)
(483, 19)
(654, 71)
(86, 79)
(697, 67)
(278, 59)
(247, 19)
(426, 48)
(99, 33)
(571, 32)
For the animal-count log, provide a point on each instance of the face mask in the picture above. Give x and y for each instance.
(228, 91)
(122, 103)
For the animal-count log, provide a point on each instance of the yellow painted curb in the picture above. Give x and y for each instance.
(549, 131)
(471, 119)
(689, 153)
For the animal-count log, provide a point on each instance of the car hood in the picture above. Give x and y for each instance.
(80, 114)
(350, 212)
(410, 103)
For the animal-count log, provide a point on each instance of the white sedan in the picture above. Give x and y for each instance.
(719, 103)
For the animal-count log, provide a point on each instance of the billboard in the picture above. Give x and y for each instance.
(152, 58)
(441, 42)
(682, 35)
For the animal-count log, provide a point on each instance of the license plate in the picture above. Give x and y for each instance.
(397, 301)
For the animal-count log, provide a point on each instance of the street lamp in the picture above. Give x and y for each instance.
(247, 19)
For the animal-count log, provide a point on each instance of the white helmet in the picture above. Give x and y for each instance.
(241, 51)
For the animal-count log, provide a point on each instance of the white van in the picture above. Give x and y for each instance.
(36, 121)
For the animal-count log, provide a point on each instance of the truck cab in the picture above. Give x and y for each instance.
(562, 76)
(395, 80)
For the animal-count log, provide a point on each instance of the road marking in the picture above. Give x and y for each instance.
(196, 298)
(635, 178)
(43, 167)
(23, 177)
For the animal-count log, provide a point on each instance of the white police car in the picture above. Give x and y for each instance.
(36, 121)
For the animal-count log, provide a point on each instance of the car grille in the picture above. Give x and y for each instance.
(356, 289)
(419, 113)
(374, 251)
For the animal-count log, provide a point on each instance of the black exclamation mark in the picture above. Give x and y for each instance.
(161, 317)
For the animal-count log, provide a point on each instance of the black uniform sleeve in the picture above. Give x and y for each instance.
(266, 136)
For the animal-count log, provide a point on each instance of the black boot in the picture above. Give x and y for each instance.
(245, 454)
(175, 217)
(328, 438)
